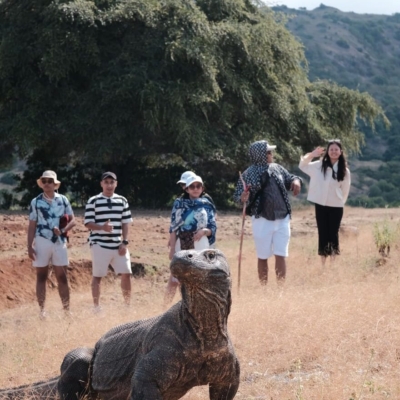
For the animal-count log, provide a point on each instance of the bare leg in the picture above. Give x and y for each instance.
(96, 290)
(323, 260)
(170, 290)
(63, 289)
(262, 266)
(280, 269)
(126, 288)
(41, 279)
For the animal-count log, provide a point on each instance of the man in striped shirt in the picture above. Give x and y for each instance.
(108, 216)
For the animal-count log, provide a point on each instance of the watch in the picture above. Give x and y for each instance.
(125, 242)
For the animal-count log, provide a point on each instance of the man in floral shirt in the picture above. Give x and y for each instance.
(47, 240)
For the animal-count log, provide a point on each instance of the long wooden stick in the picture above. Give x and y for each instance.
(242, 232)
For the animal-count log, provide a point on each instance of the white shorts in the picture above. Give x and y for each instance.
(102, 258)
(271, 237)
(201, 244)
(47, 251)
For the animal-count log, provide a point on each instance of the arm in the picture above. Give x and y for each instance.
(346, 186)
(123, 247)
(172, 233)
(90, 219)
(31, 236)
(210, 229)
(305, 161)
(70, 224)
(96, 227)
(238, 192)
(244, 191)
(72, 221)
(172, 242)
(291, 182)
(241, 195)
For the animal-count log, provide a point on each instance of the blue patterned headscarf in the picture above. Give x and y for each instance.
(258, 157)
(187, 216)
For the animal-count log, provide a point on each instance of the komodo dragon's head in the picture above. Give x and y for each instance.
(201, 267)
(205, 282)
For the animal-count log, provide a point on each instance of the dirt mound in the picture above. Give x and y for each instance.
(18, 278)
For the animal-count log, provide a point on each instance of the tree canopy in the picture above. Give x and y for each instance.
(150, 87)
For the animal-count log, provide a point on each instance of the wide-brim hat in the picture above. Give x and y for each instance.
(192, 179)
(185, 176)
(50, 175)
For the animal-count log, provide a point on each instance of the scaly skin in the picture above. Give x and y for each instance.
(162, 358)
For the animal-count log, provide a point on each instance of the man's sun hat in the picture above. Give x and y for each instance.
(109, 174)
(50, 175)
(186, 175)
(193, 179)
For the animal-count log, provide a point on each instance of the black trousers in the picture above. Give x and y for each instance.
(328, 223)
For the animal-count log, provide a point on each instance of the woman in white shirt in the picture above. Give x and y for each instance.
(329, 189)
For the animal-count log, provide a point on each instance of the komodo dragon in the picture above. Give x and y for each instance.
(162, 358)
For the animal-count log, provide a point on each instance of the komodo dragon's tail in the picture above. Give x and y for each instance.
(40, 390)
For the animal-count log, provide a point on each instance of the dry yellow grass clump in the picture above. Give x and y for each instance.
(332, 333)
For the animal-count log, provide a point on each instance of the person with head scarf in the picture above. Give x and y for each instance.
(268, 204)
(47, 238)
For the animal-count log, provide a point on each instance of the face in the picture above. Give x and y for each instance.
(334, 152)
(108, 185)
(48, 184)
(270, 156)
(195, 190)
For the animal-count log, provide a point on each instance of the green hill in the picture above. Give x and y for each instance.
(359, 51)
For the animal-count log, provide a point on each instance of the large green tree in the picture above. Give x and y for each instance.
(134, 84)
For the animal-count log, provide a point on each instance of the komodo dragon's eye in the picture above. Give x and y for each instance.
(211, 256)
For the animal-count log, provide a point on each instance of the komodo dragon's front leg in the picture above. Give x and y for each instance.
(223, 392)
(146, 391)
(226, 389)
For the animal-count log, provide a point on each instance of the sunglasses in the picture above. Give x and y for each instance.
(194, 187)
(269, 152)
(44, 181)
(109, 204)
(334, 141)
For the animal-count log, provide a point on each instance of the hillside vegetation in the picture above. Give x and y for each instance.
(359, 51)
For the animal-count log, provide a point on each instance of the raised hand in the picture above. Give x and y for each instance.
(317, 152)
(107, 226)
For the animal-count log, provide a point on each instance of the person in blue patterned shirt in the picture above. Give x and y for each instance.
(193, 225)
(47, 240)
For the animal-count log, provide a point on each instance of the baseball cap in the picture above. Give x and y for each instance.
(186, 175)
(109, 175)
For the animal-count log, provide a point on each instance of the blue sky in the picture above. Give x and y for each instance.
(358, 6)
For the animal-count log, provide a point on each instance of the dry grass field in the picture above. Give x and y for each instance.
(332, 333)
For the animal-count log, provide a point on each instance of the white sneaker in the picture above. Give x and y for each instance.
(42, 315)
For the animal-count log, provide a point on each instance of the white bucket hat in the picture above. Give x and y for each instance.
(185, 176)
(192, 179)
(50, 175)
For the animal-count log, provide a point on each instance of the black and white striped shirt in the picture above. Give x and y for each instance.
(100, 209)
